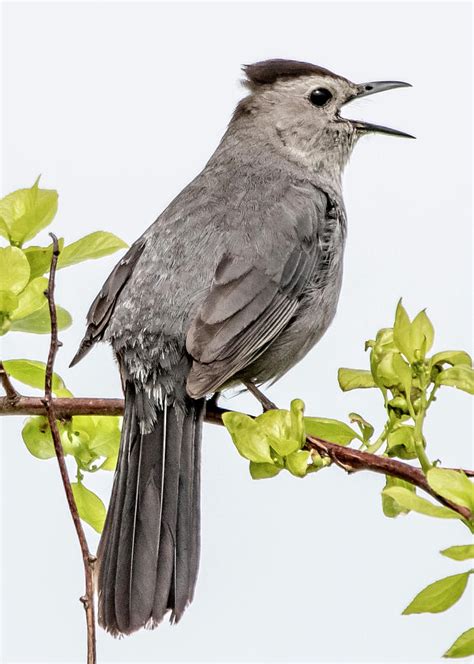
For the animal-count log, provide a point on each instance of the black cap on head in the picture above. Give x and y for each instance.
(268, 71)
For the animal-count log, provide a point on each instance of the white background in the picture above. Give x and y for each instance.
(118, 106)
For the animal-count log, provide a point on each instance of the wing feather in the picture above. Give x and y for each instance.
(104, 304)
(246, 309)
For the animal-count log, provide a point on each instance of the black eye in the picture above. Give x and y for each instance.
(320, 96)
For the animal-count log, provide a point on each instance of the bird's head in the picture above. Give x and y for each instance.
(297, 107)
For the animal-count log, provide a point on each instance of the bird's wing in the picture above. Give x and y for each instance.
(103, 306)
(251, 302)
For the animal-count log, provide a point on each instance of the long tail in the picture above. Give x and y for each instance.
(149, 551)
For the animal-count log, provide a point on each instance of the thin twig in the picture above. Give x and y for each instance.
(345, 457)
(12, 394)
(49, 405)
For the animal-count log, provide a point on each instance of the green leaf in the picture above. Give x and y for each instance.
(439, 596)
(382, 347)
(32, 373)
(39, 322)
(410, 501)
(250, 442)
(415, 336)
(333, 431)
(76, 443)
(4, 323)
(39, 258)
(94, 245)
(401, 332)
(453, 357)
(422, 332)
(26, 211)
(393, 371)
(8, 302)
(31, 298)
(403, 371)
(365, 427)
(15, 270)
(297, 421)
(36, 435)
(354, 379)
(110, 463)
(262, 471)
(90, 507)
(297, 462)
(459, 376)
(461, 552)
(390, 506)
(401, 443)
(276, 427)
(452, 485)
(384, 340)
(463, 646)
(4, 230)
(106, 440)
(103, 433)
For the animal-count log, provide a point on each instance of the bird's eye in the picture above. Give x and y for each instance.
(320, 96)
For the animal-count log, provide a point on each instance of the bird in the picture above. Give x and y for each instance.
(236, 280)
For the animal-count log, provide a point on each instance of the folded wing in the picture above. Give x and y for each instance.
(248, 306)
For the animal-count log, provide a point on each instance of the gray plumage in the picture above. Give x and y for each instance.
(237, 279)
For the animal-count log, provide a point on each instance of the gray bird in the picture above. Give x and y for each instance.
(234, 282)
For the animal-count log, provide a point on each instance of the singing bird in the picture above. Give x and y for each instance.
(235, 282)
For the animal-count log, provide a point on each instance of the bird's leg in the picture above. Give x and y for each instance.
(264, 401)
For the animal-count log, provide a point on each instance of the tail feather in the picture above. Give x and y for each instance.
(196, 504)
(187, 549)
(107, 554)
(149, 551)
(167, 545)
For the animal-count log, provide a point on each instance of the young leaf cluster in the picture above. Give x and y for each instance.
(409, 379)
(23, 214)
(274, 441)
(92, 441)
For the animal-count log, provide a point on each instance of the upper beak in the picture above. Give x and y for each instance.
(365, 89)
(379, 86)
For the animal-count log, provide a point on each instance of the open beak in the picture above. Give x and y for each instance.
(366, 89)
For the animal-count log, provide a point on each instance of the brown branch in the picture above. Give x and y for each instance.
(49, 406)
(354, 460)
(64, 408)
(12, 395)
(346, 457)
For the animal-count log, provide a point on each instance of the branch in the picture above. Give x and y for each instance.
(64, 408)
(353, 460)
(49, 406)
(348, 458)
(12, 395)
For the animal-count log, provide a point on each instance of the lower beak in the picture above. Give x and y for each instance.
(366, 89)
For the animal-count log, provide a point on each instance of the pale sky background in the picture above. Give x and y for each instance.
(118, 106)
